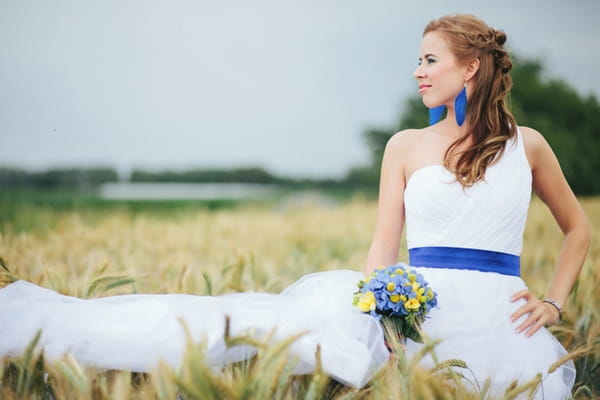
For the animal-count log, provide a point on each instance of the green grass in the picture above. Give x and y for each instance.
(25, 209)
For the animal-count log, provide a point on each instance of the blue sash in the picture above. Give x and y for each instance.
(463, 258)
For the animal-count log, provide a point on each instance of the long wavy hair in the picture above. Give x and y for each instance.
(490, 123)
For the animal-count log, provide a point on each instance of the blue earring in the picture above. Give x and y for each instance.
(435, 114)
(460, 106)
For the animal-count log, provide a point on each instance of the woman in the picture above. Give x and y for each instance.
(463, 187)
(481, 205)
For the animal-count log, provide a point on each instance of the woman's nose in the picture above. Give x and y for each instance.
(418, 73)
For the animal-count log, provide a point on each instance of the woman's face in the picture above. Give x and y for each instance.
(439, 74)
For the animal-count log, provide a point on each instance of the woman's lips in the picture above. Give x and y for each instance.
(423, 88)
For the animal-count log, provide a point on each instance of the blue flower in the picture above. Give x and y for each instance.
(395, 287)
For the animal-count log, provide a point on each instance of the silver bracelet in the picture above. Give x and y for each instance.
(558, 308)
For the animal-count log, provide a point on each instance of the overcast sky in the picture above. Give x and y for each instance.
(289, 85)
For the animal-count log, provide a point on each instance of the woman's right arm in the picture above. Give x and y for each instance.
(390, 209)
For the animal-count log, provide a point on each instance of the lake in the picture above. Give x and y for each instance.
(185, 191)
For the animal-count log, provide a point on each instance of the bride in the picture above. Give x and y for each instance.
(462, 185)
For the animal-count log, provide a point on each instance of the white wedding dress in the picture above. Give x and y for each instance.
(134, 332)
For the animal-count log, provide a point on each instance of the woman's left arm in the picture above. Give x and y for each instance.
(550, 185)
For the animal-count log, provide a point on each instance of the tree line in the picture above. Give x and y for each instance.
(91, 177)
(569, 122)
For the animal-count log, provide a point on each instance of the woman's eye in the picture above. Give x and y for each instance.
(428, 60)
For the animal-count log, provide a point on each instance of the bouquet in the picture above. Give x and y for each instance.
(398, 294)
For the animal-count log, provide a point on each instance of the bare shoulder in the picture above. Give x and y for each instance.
(403, 141)
(535, 145)
(404, 137)
(531, 138)
(405, 151)
(394, 164)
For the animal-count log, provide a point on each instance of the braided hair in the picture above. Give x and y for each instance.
(489, 121)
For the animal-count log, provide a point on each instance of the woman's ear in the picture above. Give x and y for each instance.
(472, 68)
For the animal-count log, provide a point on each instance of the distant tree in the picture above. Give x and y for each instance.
(243, 174)
(12, 176)
(58, 177)
(569, 122)
(415, 115)
(74, 177)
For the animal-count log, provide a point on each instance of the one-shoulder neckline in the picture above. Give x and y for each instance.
(426, 167)
(517, 141)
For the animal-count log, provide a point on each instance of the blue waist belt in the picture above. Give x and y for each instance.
(463, 258)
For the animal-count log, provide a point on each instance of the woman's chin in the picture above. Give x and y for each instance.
(431, 104)
(427, 103)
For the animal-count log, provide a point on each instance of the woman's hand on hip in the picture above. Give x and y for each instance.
(538, 313)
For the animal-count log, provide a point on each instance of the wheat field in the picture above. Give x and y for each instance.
(92, 253)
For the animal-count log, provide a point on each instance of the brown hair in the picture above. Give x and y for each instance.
(489, 121)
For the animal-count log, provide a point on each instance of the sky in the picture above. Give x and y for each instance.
(286, 85)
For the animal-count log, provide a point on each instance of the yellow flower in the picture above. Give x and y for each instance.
(391, 286)
(366, 302)
(413, 285)
(421, 296)
(399, 271)
(412, 277)
(412, 304)
(395, 298)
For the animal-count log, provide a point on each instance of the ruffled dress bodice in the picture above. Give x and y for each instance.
(490, 215)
